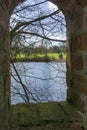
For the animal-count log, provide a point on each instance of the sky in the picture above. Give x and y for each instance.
(51, 6)
(45, 8)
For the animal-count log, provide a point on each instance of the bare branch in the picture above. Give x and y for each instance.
(29, 6)
(23, 25)
(44, 37)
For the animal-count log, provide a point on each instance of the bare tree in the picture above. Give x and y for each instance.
(32, 24)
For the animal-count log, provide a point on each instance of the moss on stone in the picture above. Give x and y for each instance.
(43, 114)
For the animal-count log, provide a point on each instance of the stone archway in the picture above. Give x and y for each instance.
(75, 12)
(76, 17)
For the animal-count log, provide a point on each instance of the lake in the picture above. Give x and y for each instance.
(44, 82)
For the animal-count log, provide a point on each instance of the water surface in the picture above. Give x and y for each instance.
(46, 82)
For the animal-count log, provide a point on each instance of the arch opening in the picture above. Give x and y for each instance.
(77, 77)
(38, 34)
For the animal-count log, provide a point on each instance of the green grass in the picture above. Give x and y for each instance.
(56, 55)
(39, 57)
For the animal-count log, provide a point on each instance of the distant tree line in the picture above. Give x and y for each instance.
(41, 49)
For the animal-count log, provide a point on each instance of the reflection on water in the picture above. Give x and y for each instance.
(46, 82)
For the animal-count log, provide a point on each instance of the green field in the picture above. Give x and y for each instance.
(39, 57)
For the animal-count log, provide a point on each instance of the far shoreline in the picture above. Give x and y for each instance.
(38, 60)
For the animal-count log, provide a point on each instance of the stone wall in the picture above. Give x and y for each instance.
(77, 53)
(75, 12)
(45, 116)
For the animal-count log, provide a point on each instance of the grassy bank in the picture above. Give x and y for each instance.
(39, 57)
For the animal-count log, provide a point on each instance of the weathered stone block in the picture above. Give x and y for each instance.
(77, 62)
(74, 99)
(80, 83)
(81, 42)
(84, 100)
(76, 92)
